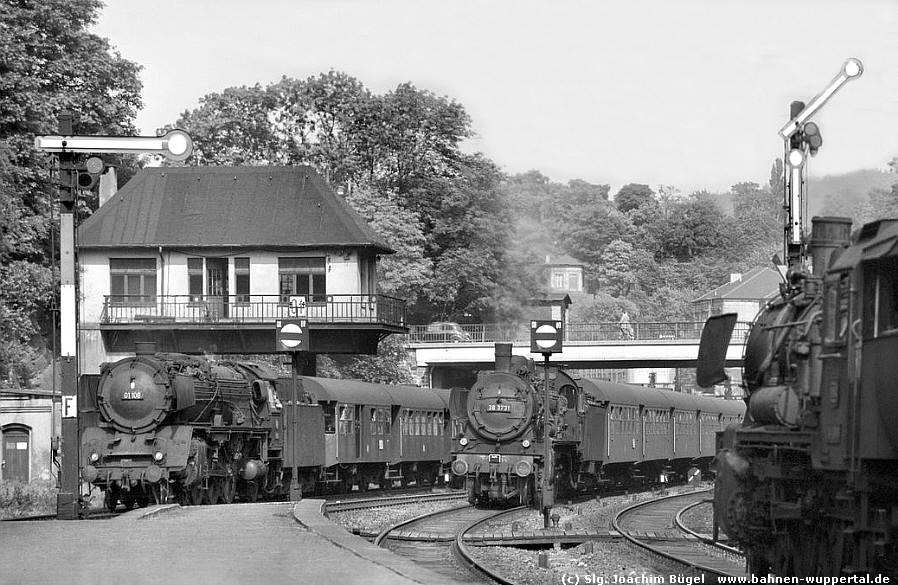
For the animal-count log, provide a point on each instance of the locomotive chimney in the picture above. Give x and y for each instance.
(503, 357)
(145, 347)
(827, 235)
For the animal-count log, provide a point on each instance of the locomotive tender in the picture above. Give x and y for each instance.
(600, 432)
(166, 425)
(808, 483)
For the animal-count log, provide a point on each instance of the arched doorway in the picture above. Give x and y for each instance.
(16, 453)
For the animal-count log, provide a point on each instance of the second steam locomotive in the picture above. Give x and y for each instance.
(600, 432)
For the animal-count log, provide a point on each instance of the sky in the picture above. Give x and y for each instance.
(688, 93)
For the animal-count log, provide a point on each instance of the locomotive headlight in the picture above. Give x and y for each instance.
(94, 457)
(463, 441)
(523, 468)
(525, 443)
(158, 455)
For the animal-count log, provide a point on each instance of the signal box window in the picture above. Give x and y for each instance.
(303, 276)
(241, 275)
(195, 279)
(132, 281)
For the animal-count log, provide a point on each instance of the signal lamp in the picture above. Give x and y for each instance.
(89, 173)
(812, 137)
(796, 158)
(463, 441)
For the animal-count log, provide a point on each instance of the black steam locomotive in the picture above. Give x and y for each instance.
(164, 426)
(600, 433)
(808, 483)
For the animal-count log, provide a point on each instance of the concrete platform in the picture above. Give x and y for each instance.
(271, 544)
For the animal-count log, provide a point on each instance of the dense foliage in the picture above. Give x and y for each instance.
(48, 63)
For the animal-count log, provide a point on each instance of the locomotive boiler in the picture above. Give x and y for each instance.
(807, 483)
(165, 422)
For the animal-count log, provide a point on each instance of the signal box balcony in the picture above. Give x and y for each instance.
(350, 323)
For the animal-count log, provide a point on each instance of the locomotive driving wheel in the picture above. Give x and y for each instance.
(228, 489)
(110, 499)
(195, 495)
(214, 491)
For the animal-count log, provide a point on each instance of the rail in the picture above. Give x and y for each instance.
(202, 309)
(520, 333)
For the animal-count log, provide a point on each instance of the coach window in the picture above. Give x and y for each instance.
(880, 298)
(329, 417)
(132, 281)
(346, 419)
(241, 279)
(304, 277)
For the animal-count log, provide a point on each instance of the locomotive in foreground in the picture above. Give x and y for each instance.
(807, 484)
(164, 426)
(600, 432)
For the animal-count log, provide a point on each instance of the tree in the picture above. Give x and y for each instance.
(232, 128)
(48, 63)
(694, 226)
(632, 196)
(405, 274)
(390, 366)
(623, 269)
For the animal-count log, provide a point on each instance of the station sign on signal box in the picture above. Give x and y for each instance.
(292, 335)
(546, 336)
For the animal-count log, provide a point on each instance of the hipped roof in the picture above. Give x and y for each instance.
(228, 207)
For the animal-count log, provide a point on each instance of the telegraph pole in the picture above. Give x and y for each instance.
(175, 145)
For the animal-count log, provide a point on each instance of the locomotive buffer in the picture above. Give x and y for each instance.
(546, 338)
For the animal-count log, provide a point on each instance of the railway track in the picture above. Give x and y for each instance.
(393, 499)
(435, 541)
(655, 526)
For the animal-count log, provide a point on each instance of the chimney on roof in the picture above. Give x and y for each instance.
(735, 276)
(108, 185)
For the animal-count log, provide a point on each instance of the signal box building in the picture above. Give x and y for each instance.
(209, 259)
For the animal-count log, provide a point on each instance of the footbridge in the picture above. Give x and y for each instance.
(449, 356)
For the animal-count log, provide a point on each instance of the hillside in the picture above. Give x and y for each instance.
(845, 191)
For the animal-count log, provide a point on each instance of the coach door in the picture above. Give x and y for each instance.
(359, 430)
(15, 455)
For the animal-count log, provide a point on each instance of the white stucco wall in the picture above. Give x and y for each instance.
(37, 415)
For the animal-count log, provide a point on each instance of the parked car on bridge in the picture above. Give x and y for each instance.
(445, 331)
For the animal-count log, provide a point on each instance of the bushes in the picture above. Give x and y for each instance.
(27, 499)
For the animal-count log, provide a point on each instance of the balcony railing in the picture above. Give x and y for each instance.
(520, 333)
(199, 309)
